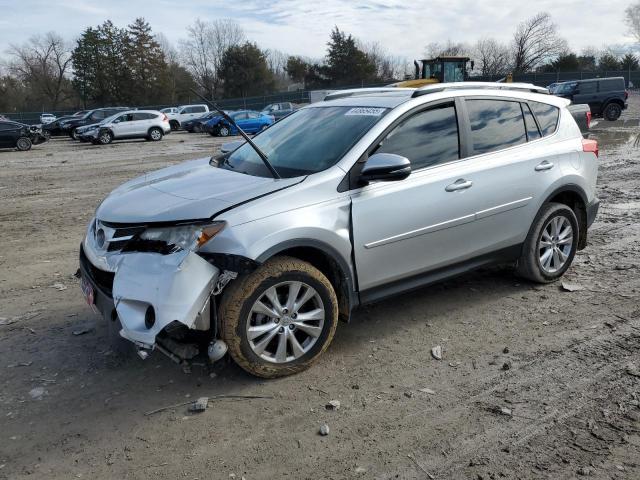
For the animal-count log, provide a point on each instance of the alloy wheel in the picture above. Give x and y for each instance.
(285, 322)
(555, 244)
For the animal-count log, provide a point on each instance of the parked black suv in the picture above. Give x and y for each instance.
(69, 126)
(607, 97)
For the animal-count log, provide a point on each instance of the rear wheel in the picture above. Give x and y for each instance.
(23, 144)
(74, 134)
(550, 245)
(197, 128)
(224, 131)
(155, 134)
(175, 125)
(612, 111)
(280, 318)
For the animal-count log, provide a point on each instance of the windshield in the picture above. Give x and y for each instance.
(563, 88)
(305, 142)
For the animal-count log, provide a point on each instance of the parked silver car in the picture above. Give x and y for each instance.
(149, 124)
(356, 199)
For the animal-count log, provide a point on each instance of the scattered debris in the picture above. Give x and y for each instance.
(427, 390)
(585, 471)
(59, 286)
(571, 287)
(20, 364)
(360, 470)
(633, 370)
(213, 375)
(505, 350)
(37, 393)
(82, 331)
(200, 405)
(501, 411)
(324, 430)
(408, 394)
(214, 397)
(333, 405)
(436, 352)
(412, 458)
(506, 366)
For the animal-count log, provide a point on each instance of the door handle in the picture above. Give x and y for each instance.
(460, 184)
(544, 166)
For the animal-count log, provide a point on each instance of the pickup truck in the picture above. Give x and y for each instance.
(186, 113)
(607, 97)
(278, 110)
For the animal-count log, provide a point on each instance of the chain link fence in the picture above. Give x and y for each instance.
(632, 79)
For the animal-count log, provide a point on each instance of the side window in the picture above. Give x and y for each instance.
(426, 138)
(99, 115)
(587, 87)
(253, 115)
(547, 117)
(187, 110)
(495, 124)
(532, 129)
(240, 116)
(142, 116)
(199, 109)
(612, 85)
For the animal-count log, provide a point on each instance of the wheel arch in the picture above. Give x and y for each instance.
(575, 198)
(326, 259)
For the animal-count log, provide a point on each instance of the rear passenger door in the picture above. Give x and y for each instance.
(510, 166)
(140, 123)
(587, 92)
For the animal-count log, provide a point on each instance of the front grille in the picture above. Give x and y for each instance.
(102, 279)
(119, 235)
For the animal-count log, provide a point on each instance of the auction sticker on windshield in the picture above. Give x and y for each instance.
(366, 111)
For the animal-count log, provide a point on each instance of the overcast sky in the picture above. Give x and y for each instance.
(302, 27)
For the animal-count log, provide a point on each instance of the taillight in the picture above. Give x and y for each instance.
(165, 118)
(626, 94)
(589, 145)
(588, 120)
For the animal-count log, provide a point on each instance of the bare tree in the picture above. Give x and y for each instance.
(632, 19)
(388, 66)
(491, 57)
(43, 63)
(202, 51)
(536, 42)
(447, 49)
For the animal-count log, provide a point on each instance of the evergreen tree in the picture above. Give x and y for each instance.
(346, 64)
(629, 62)
(244, 71)
(608, 61)
(147, 67)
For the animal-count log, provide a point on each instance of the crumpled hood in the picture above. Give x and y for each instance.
(192, 190)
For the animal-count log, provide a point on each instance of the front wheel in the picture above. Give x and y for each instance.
(612, 112)
(224, 131)
(105, 137)
(280, 318)
(197, 128)
(551, 244)
(23, 144)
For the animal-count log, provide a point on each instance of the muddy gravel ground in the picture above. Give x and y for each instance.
(535, 381)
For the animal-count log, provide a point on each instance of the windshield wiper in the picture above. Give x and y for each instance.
(261, 154)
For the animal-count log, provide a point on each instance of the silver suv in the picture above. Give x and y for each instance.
(356, 198)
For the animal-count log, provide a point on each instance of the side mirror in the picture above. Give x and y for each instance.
(387, 167)
(231, 146)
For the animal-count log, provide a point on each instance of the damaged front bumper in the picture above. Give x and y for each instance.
(148, 291)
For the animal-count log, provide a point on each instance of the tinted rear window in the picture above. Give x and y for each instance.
(426, 138)
(612, 84)
(547, 116)
(495, 124)
(587, 87)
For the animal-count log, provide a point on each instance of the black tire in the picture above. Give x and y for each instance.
(73, 134)
(175, 125)
(197, 128)
(105, 137)
(612, 111)
(155, 134)
(46, 134)
(23, 144)
(529, 265)
(224, 131)
(239, 298)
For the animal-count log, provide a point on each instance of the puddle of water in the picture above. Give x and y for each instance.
(616, 138)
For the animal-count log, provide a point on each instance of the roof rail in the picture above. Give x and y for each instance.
(363, 91)
(439, 87)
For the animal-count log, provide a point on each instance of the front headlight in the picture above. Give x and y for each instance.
(183, 237)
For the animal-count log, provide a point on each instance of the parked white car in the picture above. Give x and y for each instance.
(169, 110)
(47, 118)
(149, 124)
(185, 113)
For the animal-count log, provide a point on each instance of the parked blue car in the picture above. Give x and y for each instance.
(247, 120)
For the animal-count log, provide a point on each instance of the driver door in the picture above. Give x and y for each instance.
(402, 229)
